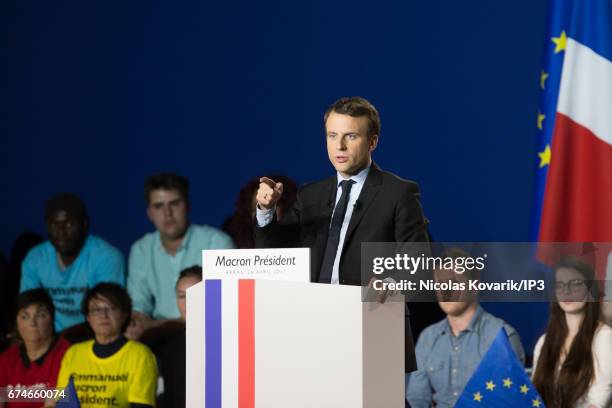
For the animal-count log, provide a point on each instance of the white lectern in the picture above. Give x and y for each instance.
(277, 344)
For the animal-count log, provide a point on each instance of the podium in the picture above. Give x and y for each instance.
(258, 343)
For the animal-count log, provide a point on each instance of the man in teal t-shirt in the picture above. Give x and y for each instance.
(71, 262)
(157, 258)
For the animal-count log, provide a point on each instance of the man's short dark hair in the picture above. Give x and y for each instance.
(191, 272)
(116, 295)
(356, 107)
(69, 202)
(34, 297)
(166, 181)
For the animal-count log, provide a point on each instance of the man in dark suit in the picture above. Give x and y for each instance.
(387, 210)
(361, 203)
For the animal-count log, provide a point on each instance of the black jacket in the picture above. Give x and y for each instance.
(387, 210)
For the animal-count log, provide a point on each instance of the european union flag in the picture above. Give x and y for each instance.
(500, 380)
(71, 399)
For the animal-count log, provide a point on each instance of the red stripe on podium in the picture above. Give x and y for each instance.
(246, 343)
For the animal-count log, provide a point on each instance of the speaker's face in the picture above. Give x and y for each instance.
(349, 147)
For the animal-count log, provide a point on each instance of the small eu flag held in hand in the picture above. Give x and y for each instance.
(500, 380)
(70, 398)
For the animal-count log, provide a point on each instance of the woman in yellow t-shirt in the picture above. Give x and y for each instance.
(110, 371)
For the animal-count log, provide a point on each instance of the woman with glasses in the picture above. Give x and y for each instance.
(573, 359)
(110, 370)
(34, 360)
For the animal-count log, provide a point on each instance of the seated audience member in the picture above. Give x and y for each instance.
(110, 370)
(33, 361)
(157, 258)
(71, 261)
(448, 352)
(187, 279)
(573, 359)
(240, 225)
(172, 355)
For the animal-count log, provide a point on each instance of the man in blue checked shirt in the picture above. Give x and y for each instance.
(448, 352)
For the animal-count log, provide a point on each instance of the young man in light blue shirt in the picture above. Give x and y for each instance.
(71, 261)
(157, 258)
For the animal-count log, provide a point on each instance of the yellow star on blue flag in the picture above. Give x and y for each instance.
(545, 156)
(500, 365)
(543, 78)
(541, 118)
(560, 42)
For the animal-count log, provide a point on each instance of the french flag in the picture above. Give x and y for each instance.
(574, 179)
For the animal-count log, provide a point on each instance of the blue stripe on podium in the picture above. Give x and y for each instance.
(213, 343)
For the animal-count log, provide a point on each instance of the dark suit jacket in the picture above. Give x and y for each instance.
(387, 210)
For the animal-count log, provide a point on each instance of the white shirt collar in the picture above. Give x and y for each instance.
(358, 178)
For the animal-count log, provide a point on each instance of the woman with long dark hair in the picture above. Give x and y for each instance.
(573, 359)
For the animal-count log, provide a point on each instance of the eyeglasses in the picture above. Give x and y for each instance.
(102, 311)
(575, 285)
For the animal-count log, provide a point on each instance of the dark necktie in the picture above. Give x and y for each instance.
(333, 238)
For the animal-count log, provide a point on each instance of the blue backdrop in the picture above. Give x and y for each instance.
(99, 95)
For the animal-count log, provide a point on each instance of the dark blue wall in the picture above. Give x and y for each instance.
(99, 95)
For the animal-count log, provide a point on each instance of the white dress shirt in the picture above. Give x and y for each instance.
(264, 217)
